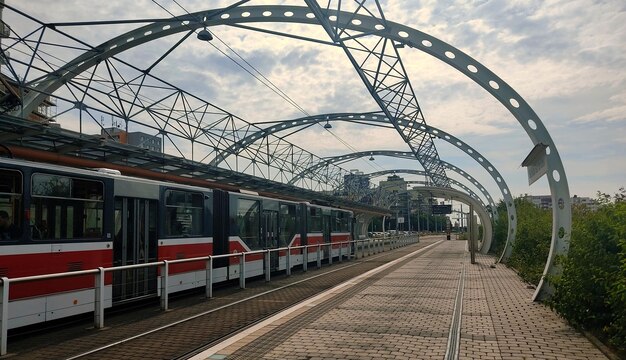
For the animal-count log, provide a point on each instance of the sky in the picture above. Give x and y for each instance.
(567, 59)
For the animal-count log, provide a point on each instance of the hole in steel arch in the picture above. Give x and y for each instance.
(427, 43)
(556, 176)
(225, 16)
(403, 34)
(356, 22)
(561, 232)
(267, 13)
(245, 14)
(532, 124)
(332, 18)
(310, 15)
(548, 150)
(472, 68)
(450, 54)
(561, 204)
(288, 14)
(514, 103)
(512, 217)
(379, 27)
(494, 84)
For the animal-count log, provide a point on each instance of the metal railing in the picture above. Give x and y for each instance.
(370, 245)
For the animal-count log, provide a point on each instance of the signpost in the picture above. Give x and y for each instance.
(441, 209)
(536, 163)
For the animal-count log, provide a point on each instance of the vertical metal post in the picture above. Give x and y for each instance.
(305, 258)
(319, 256)
(288, 258)
(340, 248)
(209, 278)
(472, 244)
(4, 313)
(363, 248)
(267, 265)
(164, 285)
(330, 253)
(369, 247)
(98, 311)
(242, 271)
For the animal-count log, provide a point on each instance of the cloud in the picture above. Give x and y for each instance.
(565, 58)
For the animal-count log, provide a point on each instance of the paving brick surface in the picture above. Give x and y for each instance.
(405, 312)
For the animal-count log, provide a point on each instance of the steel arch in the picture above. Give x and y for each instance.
(372, 118)
(519, 108)
(424, 173)
(391, 153)
(460, 196)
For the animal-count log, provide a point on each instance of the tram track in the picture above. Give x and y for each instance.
(228, 315)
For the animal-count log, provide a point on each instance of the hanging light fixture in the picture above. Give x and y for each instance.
(327, 125)
(371, 157)
(205, 35)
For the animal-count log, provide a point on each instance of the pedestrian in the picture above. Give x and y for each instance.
(8, 230)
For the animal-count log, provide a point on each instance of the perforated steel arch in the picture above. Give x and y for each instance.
(391, 153)
(519, 108)
(423, 173)
(379, 119)
(454, 194)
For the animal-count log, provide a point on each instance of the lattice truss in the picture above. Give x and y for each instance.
(117, 93)
(379, 64)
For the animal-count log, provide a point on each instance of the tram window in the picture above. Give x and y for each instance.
(288, 223)
(314, 220)
(66, 208)
(248, 221)
(10, 204)
(341, 221)
(335, 220)
(183, 213)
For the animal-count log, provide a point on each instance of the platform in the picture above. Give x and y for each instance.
(406, 310)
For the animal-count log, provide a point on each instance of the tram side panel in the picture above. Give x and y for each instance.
(245, 234)
(186, 231)
(62, 225)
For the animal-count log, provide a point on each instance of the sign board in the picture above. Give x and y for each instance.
(441, 209)
(401, 220)
(536, 163)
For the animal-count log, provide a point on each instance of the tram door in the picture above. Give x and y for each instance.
(326, 228)
(135, 242)
(270, 236)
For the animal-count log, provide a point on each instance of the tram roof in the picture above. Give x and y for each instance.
(17, 132)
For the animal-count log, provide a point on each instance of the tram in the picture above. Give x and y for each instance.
(63, 219)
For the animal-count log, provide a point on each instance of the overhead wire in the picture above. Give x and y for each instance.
(265, 81)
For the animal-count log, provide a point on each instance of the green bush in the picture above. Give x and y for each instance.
(532, 240)
(500, 230)
(591, 292)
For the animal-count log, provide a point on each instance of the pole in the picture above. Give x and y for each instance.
(408, 209)
(472, 243)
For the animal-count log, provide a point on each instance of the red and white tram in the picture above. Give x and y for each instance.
(68, 219)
